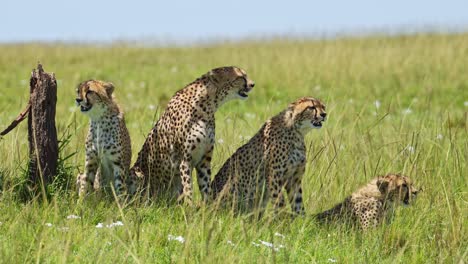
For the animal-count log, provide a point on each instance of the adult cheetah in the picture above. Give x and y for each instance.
(108, 148)
(369, 205)
(183, 138)
(273, 159)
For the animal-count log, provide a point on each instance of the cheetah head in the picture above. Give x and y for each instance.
(307, 113)
(230, 83)
(396, 187)
(93, 96)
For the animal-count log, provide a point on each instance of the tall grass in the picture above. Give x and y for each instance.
(395, 105)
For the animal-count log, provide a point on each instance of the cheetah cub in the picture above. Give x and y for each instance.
(108, 148)
(273, 159)
(369, 205)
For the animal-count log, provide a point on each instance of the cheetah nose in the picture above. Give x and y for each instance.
(78, 100)
(323, 115)
(252, 85)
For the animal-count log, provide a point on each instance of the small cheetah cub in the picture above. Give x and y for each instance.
(273, 159)
(108, 148)
(370, 204)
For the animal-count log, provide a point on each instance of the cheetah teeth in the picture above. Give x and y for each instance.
(84, 108)
(317, 124)
(243, 94)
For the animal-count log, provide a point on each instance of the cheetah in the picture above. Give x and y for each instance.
(370, 204)
(273, 159)
(183, 137)
(108, 148)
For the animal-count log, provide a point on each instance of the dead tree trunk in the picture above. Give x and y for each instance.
(42, 133)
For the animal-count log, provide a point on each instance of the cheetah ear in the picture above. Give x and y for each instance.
(109, 88)
(212, 76)
(382, 185)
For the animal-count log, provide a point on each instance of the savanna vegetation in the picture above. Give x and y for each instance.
(395, 104)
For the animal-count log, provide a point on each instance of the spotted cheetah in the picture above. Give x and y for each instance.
(369, 205)
(183, 138)
(108, 148)
(273, 159)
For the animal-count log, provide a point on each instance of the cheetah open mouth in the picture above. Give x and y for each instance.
(243, 93)
(85, 108)
(317, 124)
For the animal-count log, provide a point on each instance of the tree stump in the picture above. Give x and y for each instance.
(42, 133)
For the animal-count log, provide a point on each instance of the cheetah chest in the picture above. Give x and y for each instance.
(106, 145)
(200, 141)
(297, 157)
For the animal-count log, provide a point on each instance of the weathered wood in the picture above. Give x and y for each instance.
(42, 133)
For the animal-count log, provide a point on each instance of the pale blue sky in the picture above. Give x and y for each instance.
(189, 21)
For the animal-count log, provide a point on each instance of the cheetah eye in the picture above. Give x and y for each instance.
(311, 108)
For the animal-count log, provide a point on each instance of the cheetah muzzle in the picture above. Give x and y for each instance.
(84, 107)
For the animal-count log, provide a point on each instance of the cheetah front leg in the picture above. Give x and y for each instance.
(294, 190)
(204, 174)
(119, 176)
(185, 169)
(86, 180)
(275, 186)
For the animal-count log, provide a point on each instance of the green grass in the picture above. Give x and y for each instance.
(419, 129)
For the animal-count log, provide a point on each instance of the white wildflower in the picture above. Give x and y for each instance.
(377, 104)
(73, 217)
(100, 225)
(220, 141)
(48, 224)
(176, 238)
(118, 223)
(228, 120)
(255, 244)
(270, 245)
(250, 115)
(350, 100)
(465, 103)
(1, 223)
(440, 136)
(407, 111)
(230, 243)
(317, 88)
(174, 69)
(108, 243)
(142, 84)
(410, 149)
(279, 235)
(151, 107)
(332, 260)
